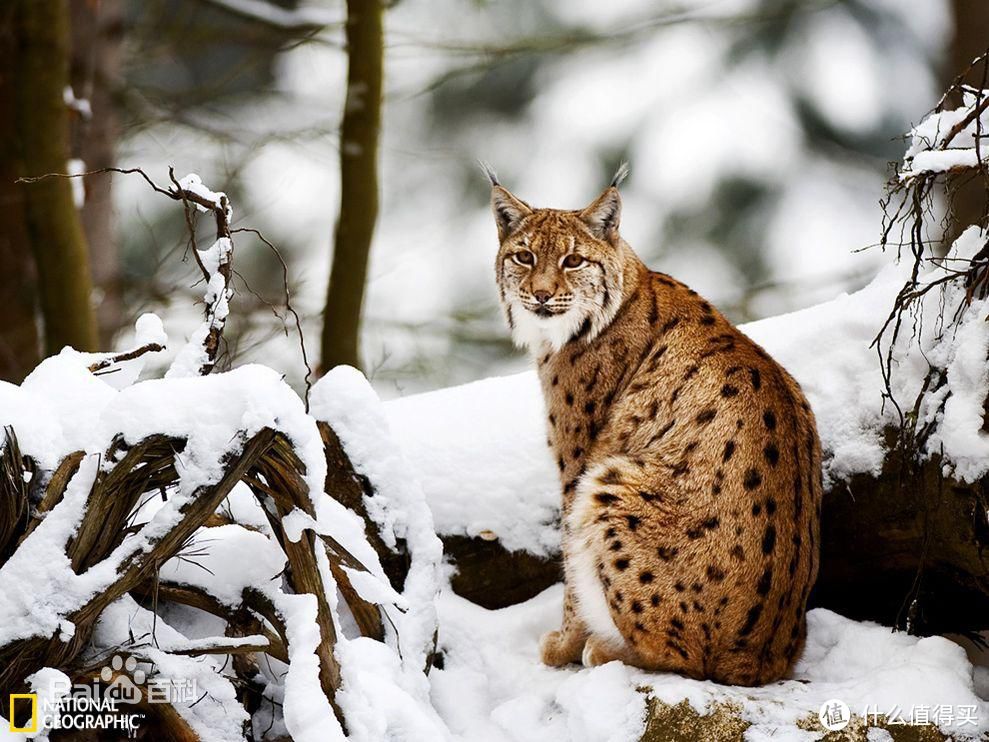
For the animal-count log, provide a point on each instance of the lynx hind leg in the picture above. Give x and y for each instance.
(621, 532)
(583, 563)
(592, 524)
(563, 647)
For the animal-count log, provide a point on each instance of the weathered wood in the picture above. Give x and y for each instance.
(240, 622)
(283, 472)
(19, 659)
(345, 485)
(14, 504)
(54, 490)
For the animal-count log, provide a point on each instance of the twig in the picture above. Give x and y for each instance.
(288, 306)
(130, 355)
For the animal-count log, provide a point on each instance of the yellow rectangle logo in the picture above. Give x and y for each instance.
(33, 697)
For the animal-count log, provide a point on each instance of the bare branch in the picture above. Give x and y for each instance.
(129, 355)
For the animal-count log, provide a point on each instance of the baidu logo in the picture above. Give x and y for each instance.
(123, 678)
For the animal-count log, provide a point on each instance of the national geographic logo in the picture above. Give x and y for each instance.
(17, 703)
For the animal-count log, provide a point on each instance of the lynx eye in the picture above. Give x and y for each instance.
(524, 257)
(573, 260)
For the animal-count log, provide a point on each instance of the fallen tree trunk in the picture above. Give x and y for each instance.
(907, 548)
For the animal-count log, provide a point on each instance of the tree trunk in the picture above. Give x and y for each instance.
(97, 31)
(19, 344)
(971, 38)
(50, 220)
(358, 184)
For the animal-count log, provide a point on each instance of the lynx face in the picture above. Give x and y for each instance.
(559, 272)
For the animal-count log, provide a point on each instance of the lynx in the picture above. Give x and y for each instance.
(689, 459)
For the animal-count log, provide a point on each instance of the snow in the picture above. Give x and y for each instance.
(492, 434)
(80, 106)
(193, 356)
(214, 410)
(194, 184)
(344, 399)
(227, 560)
(493, 686)
(39, 585)
(125, 628)
(931, 151)
(940, 161)
(216, 255)
(76, 167)
(62, 407)
(308, 715)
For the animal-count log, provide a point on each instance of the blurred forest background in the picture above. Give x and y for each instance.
(759, 134)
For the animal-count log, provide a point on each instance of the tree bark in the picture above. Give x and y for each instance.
(907, 549)
(97, 32)
(359, 132)
(970, 39)
(19, 341)
(51, 223)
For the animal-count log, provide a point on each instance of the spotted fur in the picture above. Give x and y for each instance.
(689, 459)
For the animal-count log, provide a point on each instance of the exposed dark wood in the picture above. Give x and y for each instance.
(344, 484)
(491, 576)
(14, 505)
(907, 549)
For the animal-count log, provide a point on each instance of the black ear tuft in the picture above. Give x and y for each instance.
(620, 174)
(489, 171)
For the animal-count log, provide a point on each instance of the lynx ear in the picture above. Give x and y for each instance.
(603, 215)
(508, 210)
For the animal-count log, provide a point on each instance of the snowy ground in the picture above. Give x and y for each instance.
(494, 688)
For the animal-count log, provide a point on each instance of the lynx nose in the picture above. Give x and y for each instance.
(542, 296)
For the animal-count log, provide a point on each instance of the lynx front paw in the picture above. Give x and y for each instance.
(556, 650)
